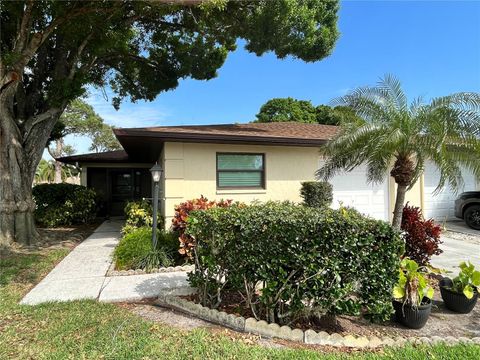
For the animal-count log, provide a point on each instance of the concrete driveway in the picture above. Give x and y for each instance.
(461, 227)
(460, 243)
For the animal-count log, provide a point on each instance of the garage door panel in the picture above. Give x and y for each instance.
(440, 205)
(351, 189)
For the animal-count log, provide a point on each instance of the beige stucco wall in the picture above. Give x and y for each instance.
(190, 171)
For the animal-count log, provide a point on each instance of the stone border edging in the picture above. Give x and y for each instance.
(112, 272)
(272, 330)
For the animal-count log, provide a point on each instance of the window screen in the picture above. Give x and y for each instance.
(240, 170)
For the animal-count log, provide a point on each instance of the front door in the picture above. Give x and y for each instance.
(122, 190)
(116, 186)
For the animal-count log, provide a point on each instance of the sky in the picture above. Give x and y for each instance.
(433, 47)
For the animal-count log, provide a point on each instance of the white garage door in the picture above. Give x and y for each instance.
(441, 206)
(351, 189)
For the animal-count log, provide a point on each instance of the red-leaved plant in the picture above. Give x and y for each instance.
(179, 222)
(422, 237)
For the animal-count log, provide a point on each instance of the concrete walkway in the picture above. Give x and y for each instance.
(82, 275)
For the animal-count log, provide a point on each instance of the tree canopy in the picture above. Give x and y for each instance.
(79, 118)
(290, 109)
(287, 109)
(51, 51)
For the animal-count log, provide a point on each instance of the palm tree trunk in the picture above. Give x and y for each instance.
(58, 164)
(399, 203)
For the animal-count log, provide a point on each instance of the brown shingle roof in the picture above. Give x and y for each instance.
(281, 130)
(144, 143)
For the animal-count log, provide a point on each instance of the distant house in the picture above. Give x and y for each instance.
(244, 162)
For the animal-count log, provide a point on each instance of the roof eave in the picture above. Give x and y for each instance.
(221, 138)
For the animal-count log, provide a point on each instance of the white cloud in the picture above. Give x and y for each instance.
(140, 114)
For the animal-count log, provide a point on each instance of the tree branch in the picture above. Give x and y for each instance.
(24, 26)
(37, 119)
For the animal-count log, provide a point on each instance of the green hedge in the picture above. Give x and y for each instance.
(317, 194)
(63, 204)
(307, 261)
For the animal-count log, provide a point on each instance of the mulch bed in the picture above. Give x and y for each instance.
(442, 322)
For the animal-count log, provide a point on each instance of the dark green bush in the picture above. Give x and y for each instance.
(316, 194)
(63, 204)
(135, 250)
(139, 213)
(305, 259)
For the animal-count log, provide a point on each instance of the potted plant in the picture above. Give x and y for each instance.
(461, 293)
(412, 295)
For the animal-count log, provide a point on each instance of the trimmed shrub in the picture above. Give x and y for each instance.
(179, 222)
(323, 262)
(318, 194)
(139, 214)
(422, 237)
(135, 250)
(63, 204)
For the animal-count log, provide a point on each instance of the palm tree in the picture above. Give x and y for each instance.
(392, 135)
(45, 172)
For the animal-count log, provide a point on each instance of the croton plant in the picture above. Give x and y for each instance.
(179, 222)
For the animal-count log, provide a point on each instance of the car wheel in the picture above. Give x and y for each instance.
(472, 217)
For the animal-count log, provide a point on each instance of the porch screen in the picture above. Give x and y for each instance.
(240, 170)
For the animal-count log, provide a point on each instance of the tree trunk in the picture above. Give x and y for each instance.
(58, 172)
(402, 172)
(21, 148)
(399, 203)
(58, 165)
(16, 177)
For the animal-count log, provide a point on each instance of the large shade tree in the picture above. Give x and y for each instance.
(393, 136)
(52, 50)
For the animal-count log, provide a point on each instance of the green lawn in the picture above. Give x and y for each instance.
(91, 330)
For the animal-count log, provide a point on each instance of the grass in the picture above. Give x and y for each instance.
(92, 330)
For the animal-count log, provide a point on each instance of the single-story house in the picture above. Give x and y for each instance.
(244, 162)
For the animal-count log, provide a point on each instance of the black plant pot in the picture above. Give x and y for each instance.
(455, 301)
(413, 317)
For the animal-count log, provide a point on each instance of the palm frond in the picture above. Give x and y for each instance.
(392, 88)
(446, 132)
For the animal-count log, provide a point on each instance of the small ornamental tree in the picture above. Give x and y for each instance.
(422, 237)
(179, 222)
(317, 194)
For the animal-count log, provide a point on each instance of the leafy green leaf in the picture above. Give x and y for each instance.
(476, 278)
(398, 292)
(429, 293)
(468, 291)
